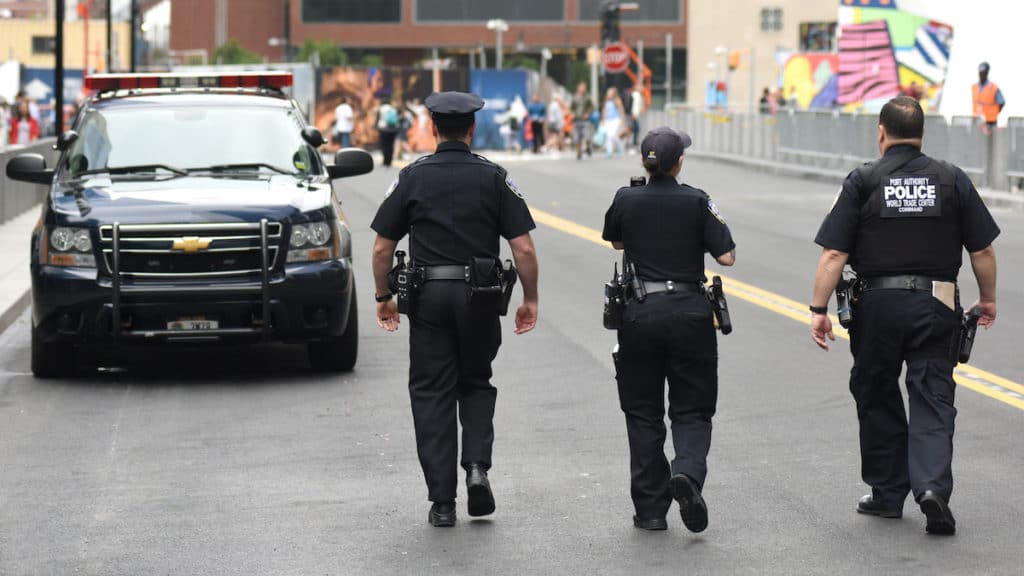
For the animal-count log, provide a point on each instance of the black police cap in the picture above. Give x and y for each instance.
(453, 108)
(663, 146)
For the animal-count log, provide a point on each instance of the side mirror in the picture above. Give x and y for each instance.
(350, 162)
(29, 168)
(313, 137)
(65, 140)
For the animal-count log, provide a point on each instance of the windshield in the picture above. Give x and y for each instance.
(174, 138)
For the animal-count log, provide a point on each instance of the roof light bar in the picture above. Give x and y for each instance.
(108, 82)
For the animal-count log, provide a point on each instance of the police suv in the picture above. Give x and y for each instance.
(195, 210)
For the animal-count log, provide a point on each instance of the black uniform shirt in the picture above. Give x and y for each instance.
(666, 228)
(839, 229)
(454, 204)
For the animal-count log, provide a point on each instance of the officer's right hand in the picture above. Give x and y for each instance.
(387, 315)
(526, 317)
(821, 326)
(988, 313)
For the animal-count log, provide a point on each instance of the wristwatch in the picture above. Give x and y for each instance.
(818, 309)
(383, 298)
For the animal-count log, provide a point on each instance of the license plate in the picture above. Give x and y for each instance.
(190, 324)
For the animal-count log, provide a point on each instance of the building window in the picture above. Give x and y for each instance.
(771, 19)
(44, 45)
(650, 11)
(314, 11)
(817, 36)
(483, 10)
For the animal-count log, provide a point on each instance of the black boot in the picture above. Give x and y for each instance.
(868, 505)
(481, 499)
(442, 514)
(940, 519)
(691, 504)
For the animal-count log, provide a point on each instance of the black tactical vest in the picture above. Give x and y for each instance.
(909, 218)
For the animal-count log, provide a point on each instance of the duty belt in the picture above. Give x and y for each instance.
(671, 286)
(903, 282)
(452, 272)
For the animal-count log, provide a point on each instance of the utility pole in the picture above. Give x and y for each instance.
(110, 36)
(58, 70)
(287, 31)
(668, 69)
(134, 31)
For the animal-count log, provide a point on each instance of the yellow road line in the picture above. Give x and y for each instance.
(981, 381)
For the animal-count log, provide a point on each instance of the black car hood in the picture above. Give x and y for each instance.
(186, 200)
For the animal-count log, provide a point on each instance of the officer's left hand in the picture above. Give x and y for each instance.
(821, 326)
(387, 315)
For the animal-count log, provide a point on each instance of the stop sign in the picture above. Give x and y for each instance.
(615, 58)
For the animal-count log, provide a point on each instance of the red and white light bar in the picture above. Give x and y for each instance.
(108, 82)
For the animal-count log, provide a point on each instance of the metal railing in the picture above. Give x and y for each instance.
(17, 197)
(839, 142)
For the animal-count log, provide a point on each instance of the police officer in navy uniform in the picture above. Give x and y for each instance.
(665, 228)
(902, 222)
(455, 206)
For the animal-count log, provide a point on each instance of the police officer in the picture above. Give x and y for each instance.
(665, 228)
(455, 206)
(902, 223)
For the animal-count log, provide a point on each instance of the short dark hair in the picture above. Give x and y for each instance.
(902, 117)
(456, 131)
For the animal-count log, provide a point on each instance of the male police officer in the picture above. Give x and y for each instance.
(666, 228)
(903, 222)
(454, 205)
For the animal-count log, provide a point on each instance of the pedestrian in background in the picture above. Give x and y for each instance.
(636, 108)
(555, 123)
(903, 223)
(670, 334)
(343, 123)
(24, 129)
(612, 117)
(455, 206)
(987, 99)
(4, 123)
(582, 128)
(388, 123)
(765, 105)
(537, 112)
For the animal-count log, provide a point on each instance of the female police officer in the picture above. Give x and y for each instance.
(665, 228)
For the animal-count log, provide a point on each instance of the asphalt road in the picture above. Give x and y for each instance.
(244, 462)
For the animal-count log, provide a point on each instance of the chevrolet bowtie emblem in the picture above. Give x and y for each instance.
(191, 244)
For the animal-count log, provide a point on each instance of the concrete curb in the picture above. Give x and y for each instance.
(993, 198)
(14, 310)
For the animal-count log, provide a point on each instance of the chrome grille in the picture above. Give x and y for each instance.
(228, 249)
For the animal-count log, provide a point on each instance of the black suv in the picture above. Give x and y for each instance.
(195, 210)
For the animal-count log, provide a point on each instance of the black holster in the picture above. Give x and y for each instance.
(719, 306)
(968, 330)
(491, 281)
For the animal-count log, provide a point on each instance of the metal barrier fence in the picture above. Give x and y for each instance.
(17, 197)
(836, 141)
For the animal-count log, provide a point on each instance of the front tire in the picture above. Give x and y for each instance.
(338, 354)
(52, 360)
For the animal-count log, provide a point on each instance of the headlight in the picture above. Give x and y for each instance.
(311, 243)
(71, 247)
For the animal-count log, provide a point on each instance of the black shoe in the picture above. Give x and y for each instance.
(867, 505)
(481, 499)
(650, 523)
(940, 519)
(442, 514)
(691, 504)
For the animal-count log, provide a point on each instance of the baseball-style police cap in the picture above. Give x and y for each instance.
(983, 67)
(665, 145)
(453, 108)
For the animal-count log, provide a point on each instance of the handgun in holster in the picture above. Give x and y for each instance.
(719, 306)
(489, 280)
(968, 330)
(405, 281)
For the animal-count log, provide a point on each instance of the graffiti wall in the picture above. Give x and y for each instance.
(883, 51)
(366, 88)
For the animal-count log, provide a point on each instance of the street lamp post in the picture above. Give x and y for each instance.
(499, 26)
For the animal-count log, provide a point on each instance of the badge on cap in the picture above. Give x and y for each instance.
(714, 212)
(512, 187)
(652, 155)
(391, 188)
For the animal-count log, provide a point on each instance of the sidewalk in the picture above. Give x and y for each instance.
(15, 280)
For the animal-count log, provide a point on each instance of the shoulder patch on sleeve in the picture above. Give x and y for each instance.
(511, 186)
(394, 185)
(714, 211)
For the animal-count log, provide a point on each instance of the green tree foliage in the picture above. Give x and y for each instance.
(330, 53)
(232, 52)
(372, 60)
(528, 61)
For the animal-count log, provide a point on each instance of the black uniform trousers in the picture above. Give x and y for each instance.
(891, 327)
(451, 347)
(667, 336)
(387, 145)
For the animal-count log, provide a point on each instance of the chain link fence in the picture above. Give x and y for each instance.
(836, 141)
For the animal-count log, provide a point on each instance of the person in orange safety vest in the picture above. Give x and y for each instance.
(988, 99)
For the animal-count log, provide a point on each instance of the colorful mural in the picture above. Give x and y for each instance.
(883, 51)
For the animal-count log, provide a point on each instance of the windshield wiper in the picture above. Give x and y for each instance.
(245, 166)
(134, 170)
